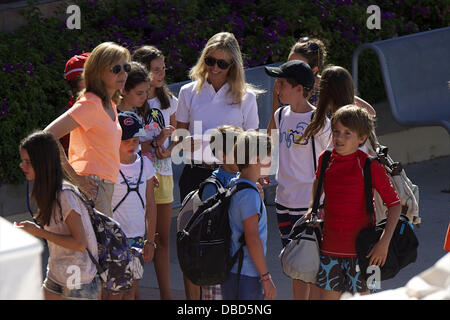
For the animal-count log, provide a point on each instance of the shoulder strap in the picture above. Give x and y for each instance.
(313, 144)
(213, 180)
(129, 189)
(245, 185)
(368, 192)
(279, 115)
(325, 158)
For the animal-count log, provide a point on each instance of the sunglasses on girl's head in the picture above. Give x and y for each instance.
(222, 64)
(117, 68)
(311, 44)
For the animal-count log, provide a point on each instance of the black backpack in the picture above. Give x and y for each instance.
(203, 246)
(403, 246)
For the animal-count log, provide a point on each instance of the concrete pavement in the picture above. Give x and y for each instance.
(431, 176)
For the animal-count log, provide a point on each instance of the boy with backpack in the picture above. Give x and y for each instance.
(249, 279)
(345, 205)
(133, 200)
(297, 157)
(222, 143)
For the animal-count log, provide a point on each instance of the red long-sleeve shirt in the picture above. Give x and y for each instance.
(345, 207)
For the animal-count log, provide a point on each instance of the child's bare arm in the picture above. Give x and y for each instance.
(365, 105)
(150, 220)
(256, 251)
(311, 201)
(76, 240)
(379, 252)
(275, 105)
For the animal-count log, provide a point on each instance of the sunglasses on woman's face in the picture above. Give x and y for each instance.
(222, 64)
(117, 68)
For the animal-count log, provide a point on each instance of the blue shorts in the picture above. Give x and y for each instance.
(90, 291)
(249, 288)
(340, 274)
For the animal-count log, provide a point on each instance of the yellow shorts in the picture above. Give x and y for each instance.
(164, 193)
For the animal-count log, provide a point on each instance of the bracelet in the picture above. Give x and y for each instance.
(150, 242)
(265, 276)
(154, 144)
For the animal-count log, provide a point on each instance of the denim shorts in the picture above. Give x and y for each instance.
(250, 288)
(90, 291)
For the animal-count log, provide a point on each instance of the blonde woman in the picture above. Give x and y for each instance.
(92, 122)
(218, 95)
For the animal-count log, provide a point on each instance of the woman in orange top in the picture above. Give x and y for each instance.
(92, 122)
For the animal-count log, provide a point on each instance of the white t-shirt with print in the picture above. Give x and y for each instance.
(130, 214)
(295, 173)
(210, 109)
(157, 119)
(61, 260)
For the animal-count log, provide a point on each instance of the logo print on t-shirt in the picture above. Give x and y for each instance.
(293, 137)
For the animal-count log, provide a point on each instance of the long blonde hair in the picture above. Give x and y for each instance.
(103, 57)
(235, 77)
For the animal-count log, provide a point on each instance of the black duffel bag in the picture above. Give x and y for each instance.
(403, 246)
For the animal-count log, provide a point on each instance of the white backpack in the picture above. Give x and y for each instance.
(406, 190)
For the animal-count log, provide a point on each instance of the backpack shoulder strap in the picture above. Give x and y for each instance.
(325, 158)
(129, 189)
(313, 144)
(213, 180)
(281, 108)
(245, 185)
(368, 192)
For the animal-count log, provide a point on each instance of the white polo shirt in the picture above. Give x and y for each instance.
(210, 109)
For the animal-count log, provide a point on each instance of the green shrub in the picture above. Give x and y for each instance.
(32, 58)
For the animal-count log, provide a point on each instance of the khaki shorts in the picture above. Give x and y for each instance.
(104, 195)
(164, 193)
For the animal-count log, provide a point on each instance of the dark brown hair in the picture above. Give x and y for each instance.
(43, 151)
(336, 90)
(312, 49)
(145, 55)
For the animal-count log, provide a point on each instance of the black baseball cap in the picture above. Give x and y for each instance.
(298, 70)
(131, 125)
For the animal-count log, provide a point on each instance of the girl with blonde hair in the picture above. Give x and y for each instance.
(92, 122)
(218, 95)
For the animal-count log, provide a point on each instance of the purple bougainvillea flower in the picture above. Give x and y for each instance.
(4, 108)
(387, 15)
(8, 68)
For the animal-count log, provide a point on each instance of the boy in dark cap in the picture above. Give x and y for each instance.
(297, 157)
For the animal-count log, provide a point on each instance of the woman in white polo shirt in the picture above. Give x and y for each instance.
(218, 95)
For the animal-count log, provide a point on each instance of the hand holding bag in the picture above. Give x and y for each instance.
(403, 246)
(300, 258)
